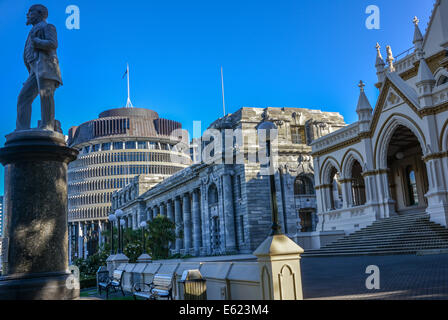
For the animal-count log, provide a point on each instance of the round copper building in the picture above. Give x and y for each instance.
(118, 146)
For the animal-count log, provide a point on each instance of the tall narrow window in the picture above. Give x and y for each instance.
(298, 135)
(412, 186)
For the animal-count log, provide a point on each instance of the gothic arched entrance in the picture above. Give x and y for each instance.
(408, 181)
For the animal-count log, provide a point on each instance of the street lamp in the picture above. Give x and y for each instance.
(118, 214)
(143, 226)
(268, 127)
(122, 223)
(112, 218)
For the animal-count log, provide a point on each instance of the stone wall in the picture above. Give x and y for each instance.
(225, 208)
(224, 280)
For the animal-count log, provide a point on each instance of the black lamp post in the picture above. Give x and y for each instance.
(143, 226)
(112, 218)
(122, 223)
(119, 213)
(268, 127)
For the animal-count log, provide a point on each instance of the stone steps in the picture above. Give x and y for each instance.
(402, 234)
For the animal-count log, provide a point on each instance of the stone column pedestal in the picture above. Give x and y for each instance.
(280, 274)
(144, 258)
(36, 216)
(114, 261)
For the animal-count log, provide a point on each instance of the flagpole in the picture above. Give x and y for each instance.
(128, 103)
(222, 86)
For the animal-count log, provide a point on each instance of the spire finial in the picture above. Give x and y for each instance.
(378, 47)
(361, 85)
(416, 21)
(379, 64)
(418, 39)
(390, 59)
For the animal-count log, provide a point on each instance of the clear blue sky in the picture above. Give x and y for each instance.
(286, 53)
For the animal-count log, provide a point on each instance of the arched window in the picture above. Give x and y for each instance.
(212, 195)
(358, 185)
(335, 190)
(304, 185)
(442, 80)
(412, 186)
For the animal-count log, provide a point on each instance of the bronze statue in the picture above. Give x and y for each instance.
(43, 67)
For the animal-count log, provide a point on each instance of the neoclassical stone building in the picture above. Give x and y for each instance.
(225, 208)
(394, 160)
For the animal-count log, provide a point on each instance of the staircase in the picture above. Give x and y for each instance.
(407, 233)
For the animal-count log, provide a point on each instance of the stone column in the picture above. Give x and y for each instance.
(155, 212)
(170, 216)
(384, 194)
(280, 275)
(84, 233)
(162, 210)
(347, 199)
(187, 222)
(437, 194)
(205, 221)
(196, 215)
(36, 214)
(135, 222)
(100, 231)
(70, 249)
(178, 221)
(80, 240)
(169, 210)
(229, 215)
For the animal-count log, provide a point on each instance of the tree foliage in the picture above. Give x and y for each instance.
(161, 234)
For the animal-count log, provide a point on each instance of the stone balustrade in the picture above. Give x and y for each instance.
(334, 138)
(272, 273)
(225, 280)
(349, 219)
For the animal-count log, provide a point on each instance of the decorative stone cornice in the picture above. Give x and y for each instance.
(434, 156)
(323, 186)
(375, 172)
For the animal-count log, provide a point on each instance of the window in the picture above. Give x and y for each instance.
(303, 186)
(412, 186)
(142, 145)
(442, 80)
(335, 191)
(242, 229)
(105, 146)
(238, 187)
(298, 135)
(86, 149)
(130, 144)
(95, 148)
(358, 185)
(118, 145)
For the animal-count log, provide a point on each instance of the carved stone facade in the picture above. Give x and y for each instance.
(225, 208)
(394, 160)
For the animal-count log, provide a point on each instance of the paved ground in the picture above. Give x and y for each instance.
(401, 277)
(343, 278)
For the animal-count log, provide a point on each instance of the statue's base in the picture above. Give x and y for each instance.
(45, 286)
(35, 206)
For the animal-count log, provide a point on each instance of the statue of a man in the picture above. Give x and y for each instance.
(43, 67)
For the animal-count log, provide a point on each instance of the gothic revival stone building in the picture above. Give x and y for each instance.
(225, 208)
(394, 160)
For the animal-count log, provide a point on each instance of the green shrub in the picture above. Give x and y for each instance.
(87, 283)
(88, 267)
